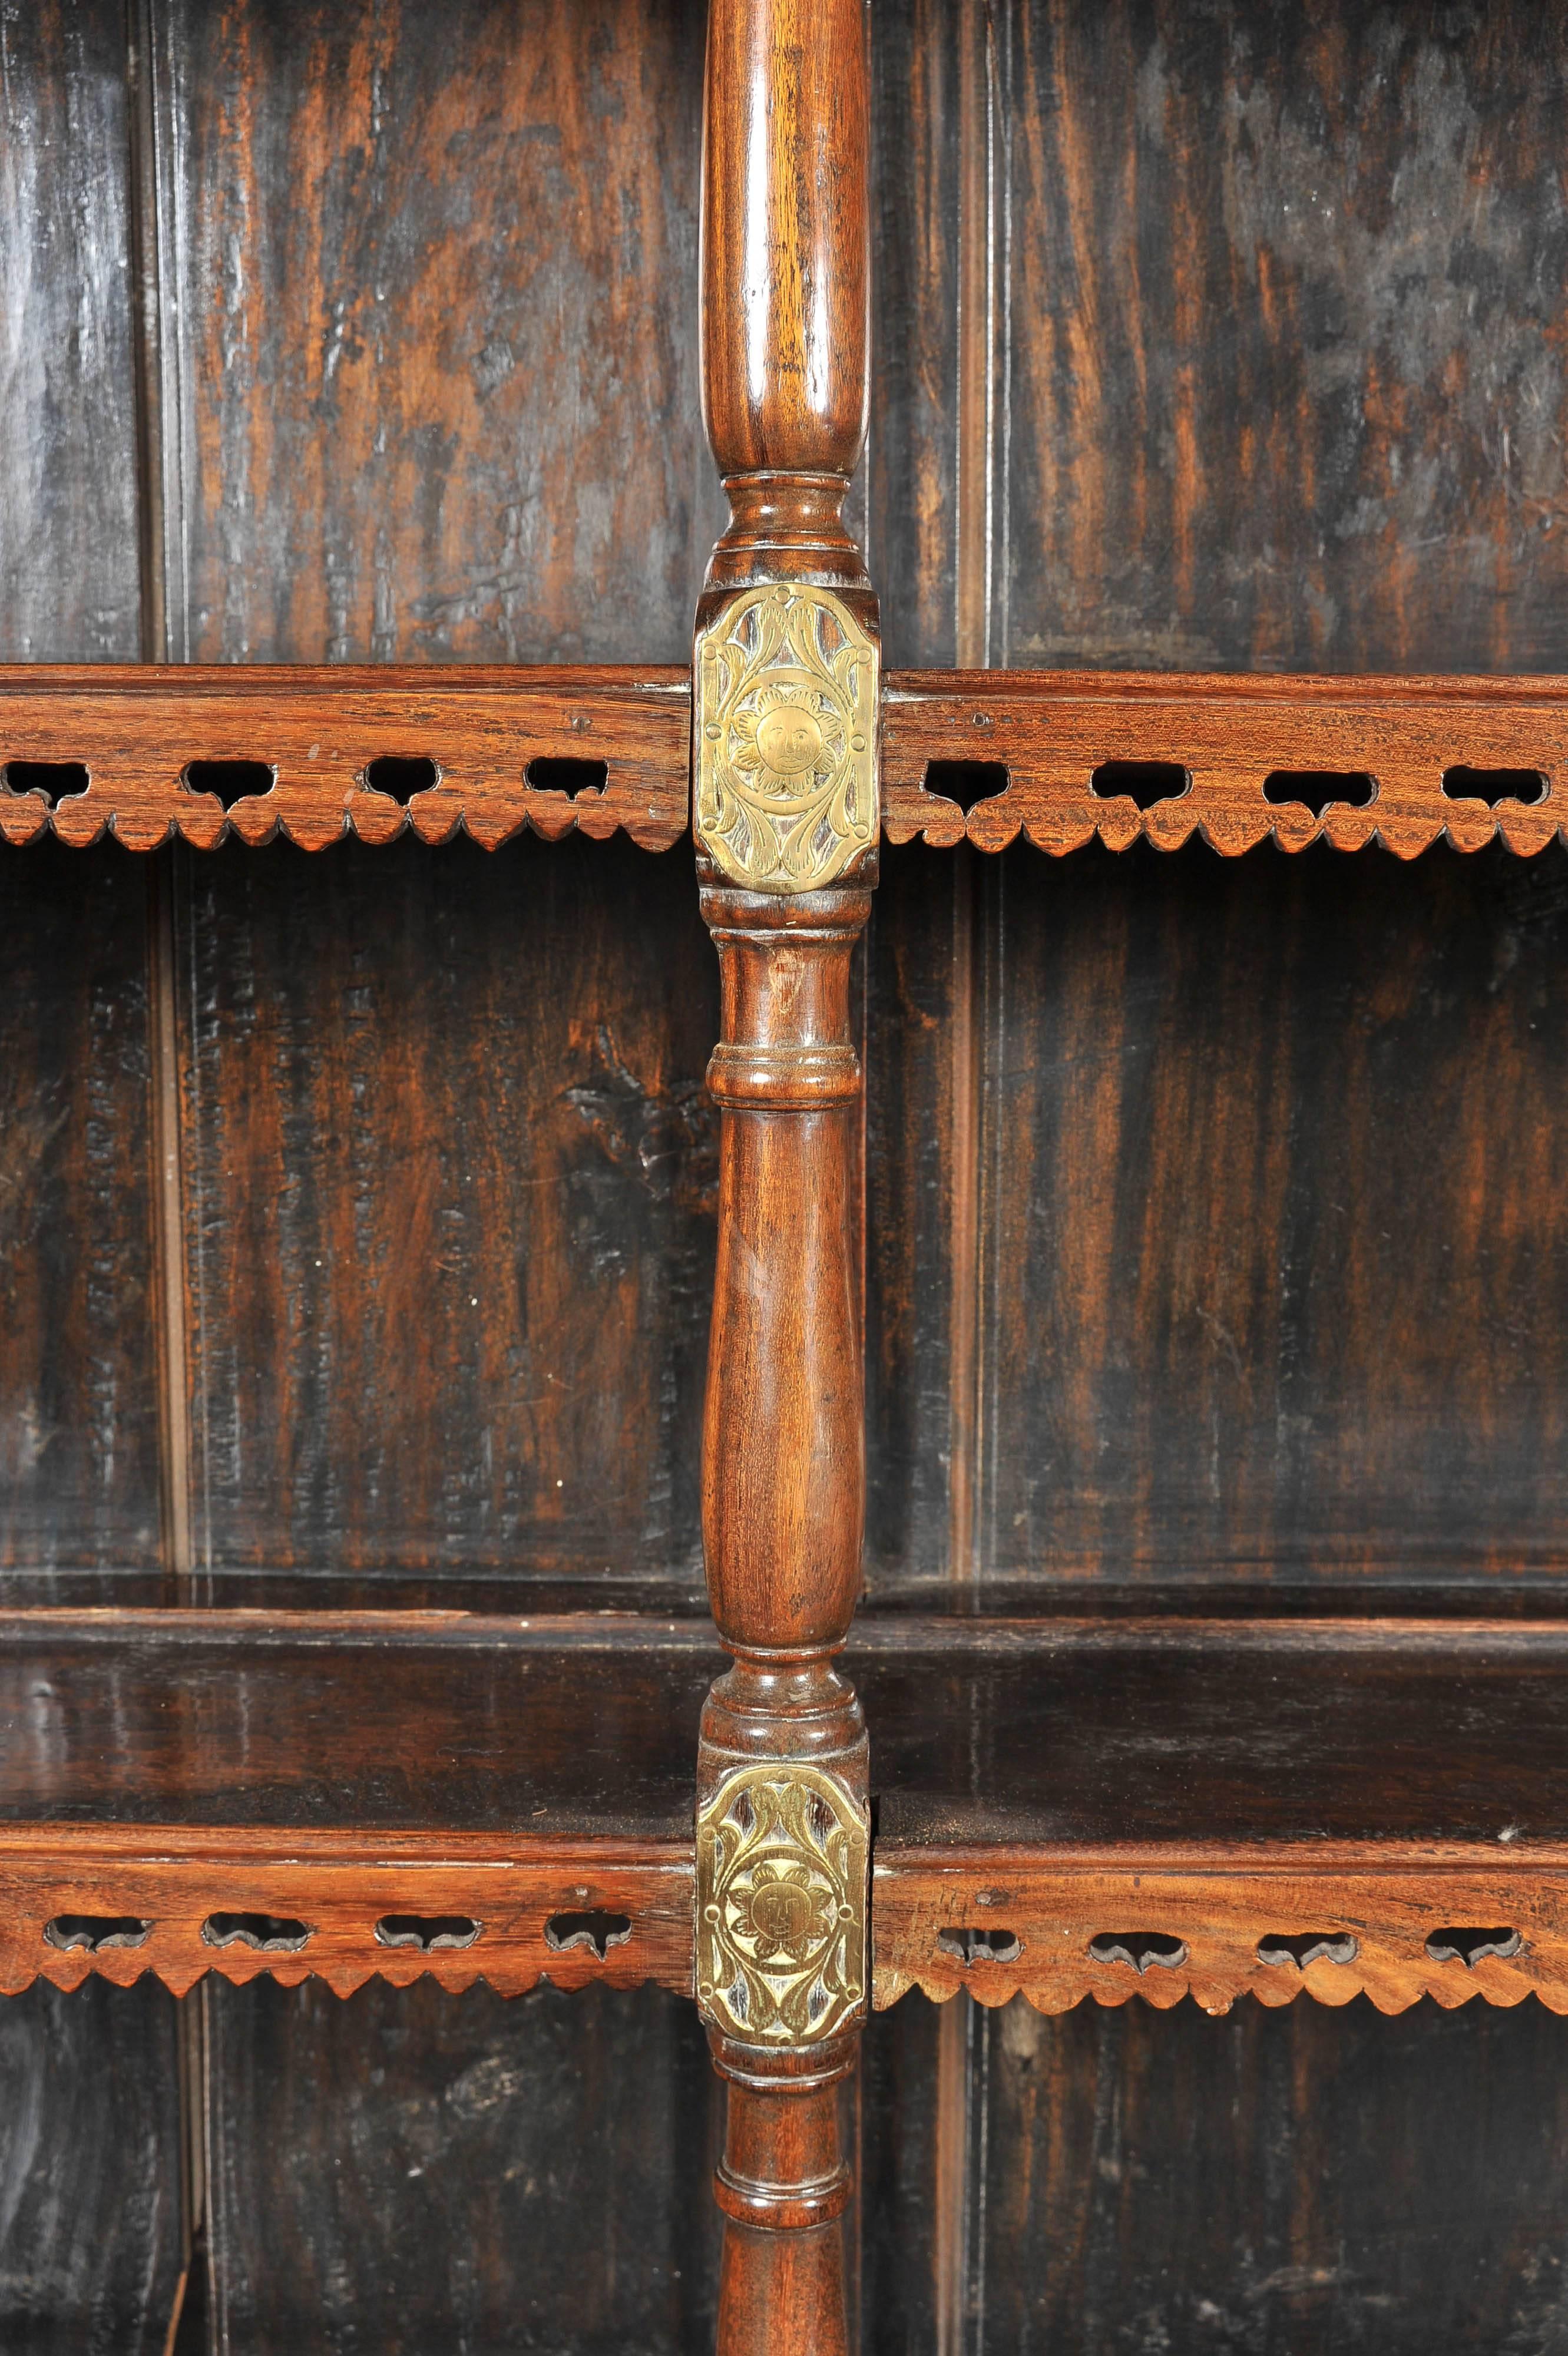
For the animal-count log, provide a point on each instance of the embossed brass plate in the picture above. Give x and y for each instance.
(782, 1854)
(787, 688)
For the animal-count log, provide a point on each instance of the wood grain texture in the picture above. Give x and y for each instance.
(510, 1908)
(480, 730)
(461, 2171)
(450, 1226)
(1272, 2181)
(1274, 1253)
(433, 276)
(90, 2213)
(254, 1771)
(79, 1472)
(1377, 752)
(385, 1722)
(68, 458)
(1283, 380)
(1382, 1908)
(786, 256)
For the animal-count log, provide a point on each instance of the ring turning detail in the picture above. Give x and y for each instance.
(787, 691)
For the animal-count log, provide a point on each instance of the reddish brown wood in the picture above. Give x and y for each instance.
(1051, 730)
(785, 335)
(786, 280)
(1231, 1924)
(526, 1898)
(783, 2185)
(136, 729)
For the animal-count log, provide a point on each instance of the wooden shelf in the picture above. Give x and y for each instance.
(333, 1769)
(1047, 1791)
(1379, 750)
(1209, 1787)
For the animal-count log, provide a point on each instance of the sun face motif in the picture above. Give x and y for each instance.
(786, 738)
(782, 1909)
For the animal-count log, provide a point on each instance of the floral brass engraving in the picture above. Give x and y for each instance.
(782, 1852)
(786, 739)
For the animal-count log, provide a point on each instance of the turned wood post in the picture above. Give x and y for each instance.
(785, 746)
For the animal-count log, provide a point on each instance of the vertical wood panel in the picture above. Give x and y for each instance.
(1279, 1255)
(450, 1168)
(437, 360)
(89, 2216)
(90, 2142)
(412, 2171)
(1287, 369)
(68, 456)
(1274, 2181)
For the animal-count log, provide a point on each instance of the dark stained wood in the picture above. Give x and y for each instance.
(1303, 2179)
(1282, 384)
(90, 2131)
(68, 458)
(1377, 755)
(397, 1721)
(89, 2216)
(436, 278)
(429, 392)
(483, 735)
(463, 2172)
(1275, 1257)
(911, 469)
(79, 1472)
(449, 1171)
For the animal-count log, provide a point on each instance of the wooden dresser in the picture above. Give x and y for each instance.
(783, 1190)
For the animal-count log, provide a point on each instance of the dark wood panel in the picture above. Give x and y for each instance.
(89, 2145)
(79, 1423)
(1277, 1251)
(911, 474)
(450, 1165)
(920, 1184)
(898, 2188)
(90, 2133)
(414, 2170)
(1271, 2182)
(1284, 385)
(68, 575)
(435, 362)
(394, 1721)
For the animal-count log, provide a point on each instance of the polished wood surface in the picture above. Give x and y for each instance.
(1041, 1784)
(471, 750)
(785, 335)
(786, 241)
(1401, 762)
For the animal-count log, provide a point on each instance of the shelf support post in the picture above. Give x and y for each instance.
(786, 711)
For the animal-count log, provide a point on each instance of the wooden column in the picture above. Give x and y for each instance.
(785, 746)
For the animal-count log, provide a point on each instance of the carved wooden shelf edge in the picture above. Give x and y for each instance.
(118, 1903)
(136, 729)
(1341, 1922)
(1387, 744)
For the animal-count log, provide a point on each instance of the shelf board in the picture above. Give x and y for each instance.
(332, 1770)
(1071, 1789)
(1066, 1808)
(1051, 732)
(136, 728)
